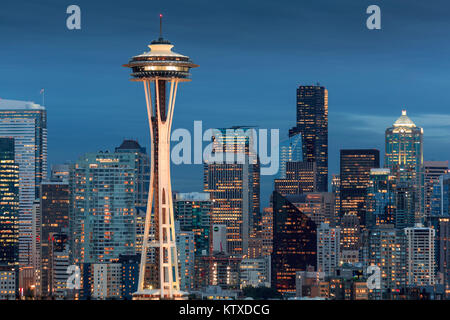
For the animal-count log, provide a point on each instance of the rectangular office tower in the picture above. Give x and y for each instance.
(102, 213)
(193, 212)
(9, 204)
(54, 219)
(234, 186)
(312, 124)
(26, 122)
(355, 177)
(432, 171)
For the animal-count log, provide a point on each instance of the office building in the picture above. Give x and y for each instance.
(300, 177)
(294, 243)
(26, 122)
(193, 212)
(312, 124)
(233, 186)
(380, 199)
(54, 204)
(404, 156)
(255, 272)
(432, 171)
(9, 204)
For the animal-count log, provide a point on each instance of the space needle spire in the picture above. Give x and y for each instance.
(160, 70)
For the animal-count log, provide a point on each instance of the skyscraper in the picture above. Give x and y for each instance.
(234, 187)
(9, 204)
(312, 124)
(387, 251)
(404, 156)
(26, 122)
(420, 255)
(193, 212)
(290, 151)
(55, 217)
(355, 166)
(432, 171)
(102, 213)
(354, 175)
(294, 243)
(142, 167)
(328, 249)
(380, 198)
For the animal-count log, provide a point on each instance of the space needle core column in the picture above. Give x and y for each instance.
(160, 70)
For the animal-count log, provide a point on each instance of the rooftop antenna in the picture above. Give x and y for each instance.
(160, 25)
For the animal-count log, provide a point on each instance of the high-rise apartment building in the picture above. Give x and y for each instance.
(9, 204)
(328, 249)
(420, 255)
(26, 122)
(102, 213)
(142, 170)
(312, 124)
(387, 251)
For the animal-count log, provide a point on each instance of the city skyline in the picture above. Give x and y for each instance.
(355, 101)
(100, 198)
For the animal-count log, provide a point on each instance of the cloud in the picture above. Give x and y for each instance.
(435, 125)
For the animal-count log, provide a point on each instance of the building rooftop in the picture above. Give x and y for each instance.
(404, 121)
(18, 105)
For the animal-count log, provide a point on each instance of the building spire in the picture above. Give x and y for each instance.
(160, 25)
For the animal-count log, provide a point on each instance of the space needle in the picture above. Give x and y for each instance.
(160, 70)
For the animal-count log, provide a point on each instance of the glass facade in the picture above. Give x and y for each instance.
(9, 204)
(26, 122)
(312, 125)
(102, 213)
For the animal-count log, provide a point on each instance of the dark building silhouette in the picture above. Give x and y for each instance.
(9, 203)
(312, 124)
(294, 244)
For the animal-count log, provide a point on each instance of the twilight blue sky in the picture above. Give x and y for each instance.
(252, 55)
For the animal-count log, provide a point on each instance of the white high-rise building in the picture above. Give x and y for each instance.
(420, 255)
(328, 248)
(26, 122)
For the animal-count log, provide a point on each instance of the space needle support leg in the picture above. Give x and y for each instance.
(144, 250)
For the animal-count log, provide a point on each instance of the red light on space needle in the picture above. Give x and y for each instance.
(160, 15)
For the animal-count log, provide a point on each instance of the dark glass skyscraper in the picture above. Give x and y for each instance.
(312, 124)
(355, 178)
(294, 243)
(9, 203)
(55, 218)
